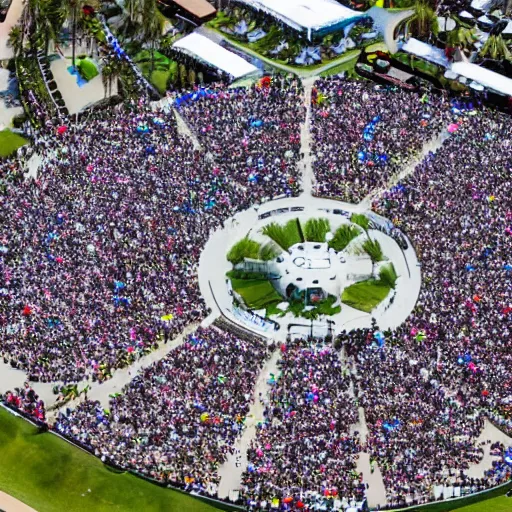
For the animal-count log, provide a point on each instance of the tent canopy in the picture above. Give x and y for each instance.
(215, 55)
(310, 15)
(483, 76)
(425, 51)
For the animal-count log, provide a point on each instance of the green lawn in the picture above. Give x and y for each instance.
(500, 504)
(365, 295)
(50, 475)
(257, 293)
(10, 142)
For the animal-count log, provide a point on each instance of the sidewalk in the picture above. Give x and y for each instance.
(10, 504)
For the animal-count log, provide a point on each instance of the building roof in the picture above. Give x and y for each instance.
(198, 8)
(425, 51)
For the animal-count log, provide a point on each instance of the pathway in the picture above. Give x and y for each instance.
(10, 504)
(431, 146)
(231, 471)
(376, 491)
(122, 377)
(308, 177)
(13, 17)
(386, 22)
(184, 129)
(492, 434)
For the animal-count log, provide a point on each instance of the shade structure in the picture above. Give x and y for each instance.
(425, 51)
(489, 79)
(312, 16)
(211, 53)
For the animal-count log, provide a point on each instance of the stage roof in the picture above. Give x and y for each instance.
(426, 51)
(215, 55)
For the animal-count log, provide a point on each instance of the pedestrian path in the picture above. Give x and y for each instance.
(231, 471)
(308, 177)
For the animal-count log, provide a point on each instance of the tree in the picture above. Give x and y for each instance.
(110, 72)
(495, 48)
(15, 40)
(424, 21)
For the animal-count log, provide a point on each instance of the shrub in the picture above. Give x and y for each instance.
(284, 236)
(361, 220)
(343, 236)
(160, 79)
(387, 275)
(245, 248)
(374, 250)
(87, 69)
(316, 229)
(269, 251)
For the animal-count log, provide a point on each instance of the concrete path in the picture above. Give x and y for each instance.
(231, 471)
(376, 490)
(185, 130)
(13, 17)
(308, 177)
(431, 146)
(77, 98)
(10, 504)
(386, 21)
(490, 434)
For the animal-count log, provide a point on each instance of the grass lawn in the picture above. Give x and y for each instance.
(10, 142)
(500, 504)
(365, 295)
(50, 475)
(257, 293)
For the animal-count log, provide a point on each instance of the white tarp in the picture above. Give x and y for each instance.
(425, 51)
(483, 76)
(305, 14)
(215, 55)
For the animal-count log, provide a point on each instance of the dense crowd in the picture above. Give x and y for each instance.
(27, 401)
(304, 441)
(364, 133)
(106, 241)
(253, 136)
(177, 421)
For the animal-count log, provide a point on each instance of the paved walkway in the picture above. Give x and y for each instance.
(13, 17)
(490, 434)
(231, 471)
(308, 177)
(10, 504)
(77, 98)
(431, 146)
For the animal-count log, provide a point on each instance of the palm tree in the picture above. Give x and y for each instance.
(495, 48)
(110, 72)
(152, 25)
(424, 20)
(15, 40)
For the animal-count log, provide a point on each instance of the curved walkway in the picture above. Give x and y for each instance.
(10, 504)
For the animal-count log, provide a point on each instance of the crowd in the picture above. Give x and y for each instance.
(106, 241)
(364, 133)
(177, 421)
(304, 451)
(27, 401)
(253, 135)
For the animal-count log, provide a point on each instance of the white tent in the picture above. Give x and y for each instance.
(215, 55)
(487, 78)
(309, 15)
(425, 51)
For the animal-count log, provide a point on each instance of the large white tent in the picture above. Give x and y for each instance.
(211, 53)
(312, 16)
(485, 77)
(426, 51)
